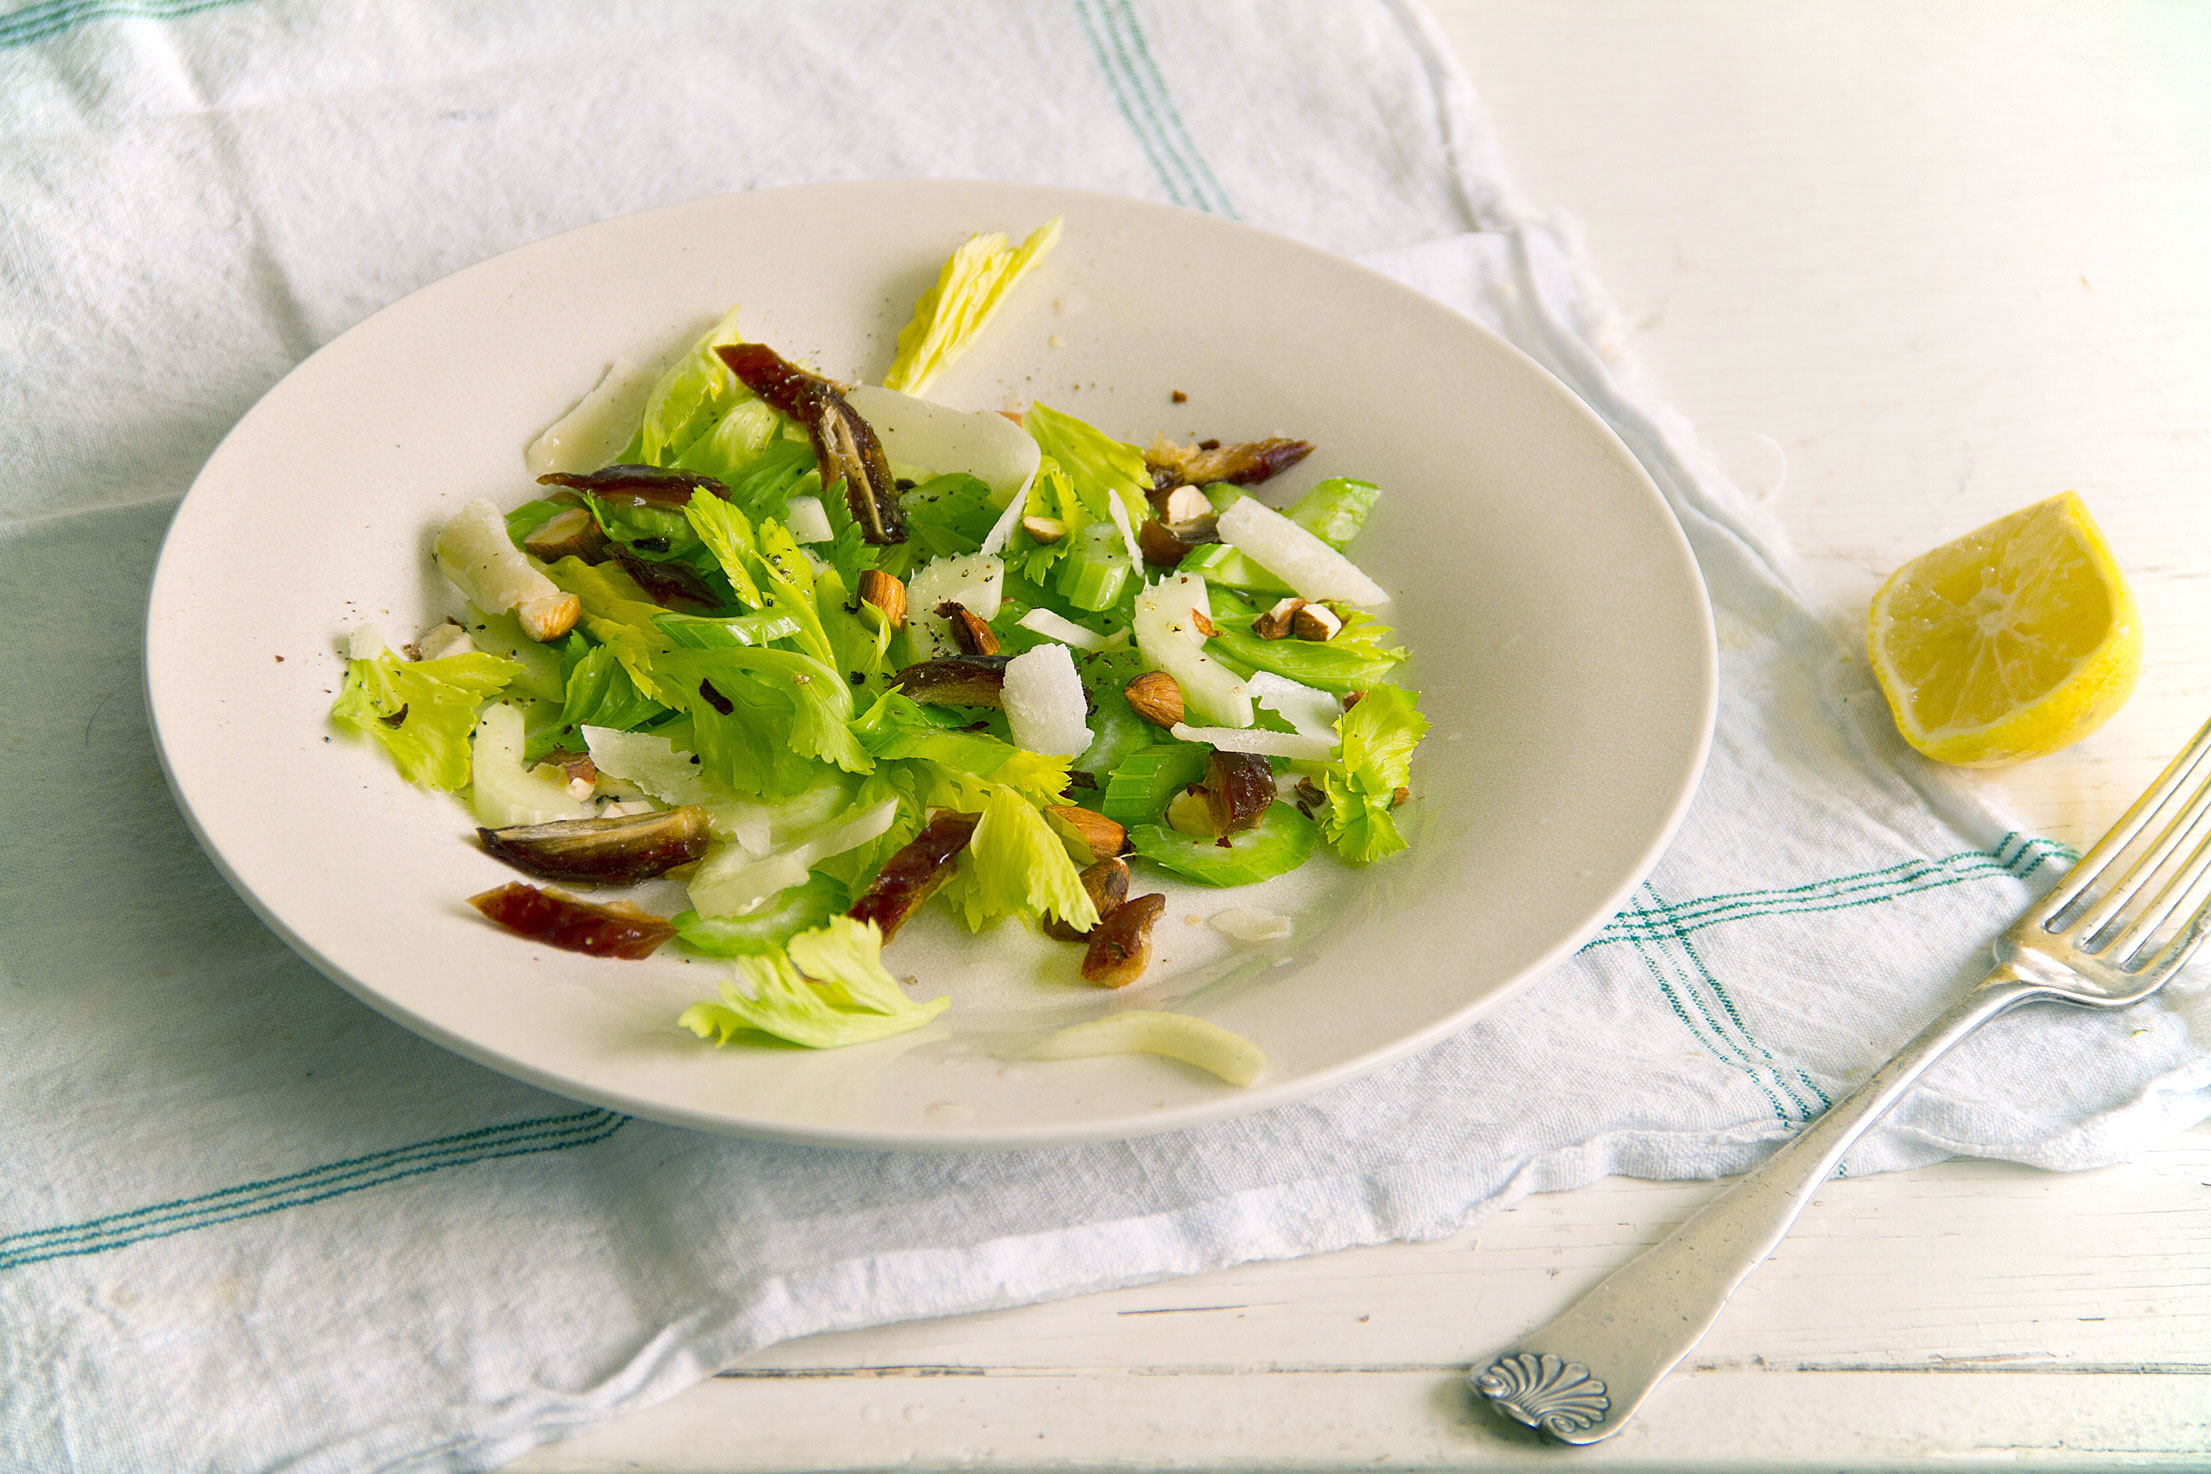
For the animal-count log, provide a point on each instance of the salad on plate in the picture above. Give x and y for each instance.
(826, 654)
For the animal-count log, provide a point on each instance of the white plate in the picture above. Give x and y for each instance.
(1560, 634)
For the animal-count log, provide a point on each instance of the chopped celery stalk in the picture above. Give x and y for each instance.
(1094, 573)
(1223, 495)
(800, 908)
(502, 790)
(1283, 840)
(1182, 1036)
(1119, 733)
(1354, 660)
(1140, 788)
(701, 632)
(1335, 510)
(967, 291)
(1221, 565)
(1169, 622)
(1307, 662)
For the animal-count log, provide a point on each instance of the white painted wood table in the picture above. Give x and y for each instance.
(1907, 268)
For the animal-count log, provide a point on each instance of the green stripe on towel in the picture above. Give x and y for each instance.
(38, 22)
(1124, 60)
(313, 1185)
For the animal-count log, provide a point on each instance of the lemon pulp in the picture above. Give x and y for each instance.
(2012, 641)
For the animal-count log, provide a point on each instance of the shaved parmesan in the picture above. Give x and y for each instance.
(593, 433)
(1250, 924)
(1301, 560)
(730, 882)
(1193, 1040)
(1045, 704)
(483, 562)
(1311, 712)
(973, 580)
(441, 640)
(915, 432)
(1251, 739)
(1057, 627)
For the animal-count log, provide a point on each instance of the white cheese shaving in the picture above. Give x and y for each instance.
(594, 431)
(918, 432)
(1044, 702)
(972, 580)
(1312, 712)
(483, 562)
(1057, 627)
(1250, 924)
(1294, 745)
(441, 640)
(1301, 560)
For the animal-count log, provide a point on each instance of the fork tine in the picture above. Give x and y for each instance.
(2140, 927)
(2177, 951)
(2099, 857)
(2111, 908)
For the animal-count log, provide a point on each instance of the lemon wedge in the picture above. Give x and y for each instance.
(2010, 642)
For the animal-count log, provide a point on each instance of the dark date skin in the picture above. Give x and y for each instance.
(1244, 464)
(1107, 885)
(957, 680)
(572, 925)
(912, 875)
(845, 446)
(1121, 944)
(1239, 786)
(647, 485)
(617, 851)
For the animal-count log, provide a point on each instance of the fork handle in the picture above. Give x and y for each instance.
(1583, 1375)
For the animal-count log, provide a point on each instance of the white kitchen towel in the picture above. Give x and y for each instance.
(247, 1224)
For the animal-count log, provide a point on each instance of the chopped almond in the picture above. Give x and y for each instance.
(1156, 698)
(1044, 531)
(885, 595)
(1315, 622)
(1183, 506)
(1277, 622)
(1092, 833)
(970, 631)
(550, 617)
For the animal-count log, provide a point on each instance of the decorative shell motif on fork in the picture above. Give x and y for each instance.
(1546, 1392)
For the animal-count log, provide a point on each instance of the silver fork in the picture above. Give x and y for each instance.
(2094, 940)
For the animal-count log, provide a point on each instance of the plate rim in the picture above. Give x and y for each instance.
(954, 1138)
